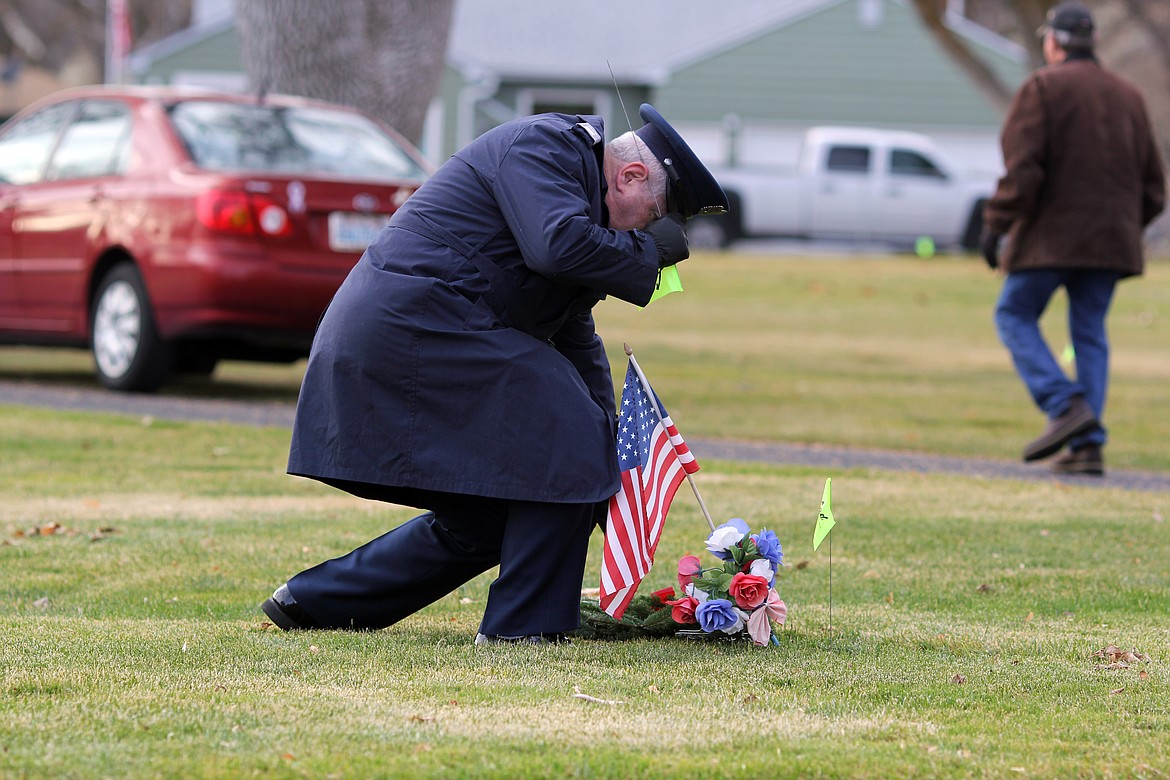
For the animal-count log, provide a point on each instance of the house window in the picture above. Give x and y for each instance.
(562, 101)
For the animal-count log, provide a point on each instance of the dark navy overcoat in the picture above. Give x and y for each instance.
(460, 353)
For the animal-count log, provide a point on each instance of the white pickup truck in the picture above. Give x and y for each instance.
(854, 183)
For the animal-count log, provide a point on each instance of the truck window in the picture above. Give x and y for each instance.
(904, 162)
(848, 159)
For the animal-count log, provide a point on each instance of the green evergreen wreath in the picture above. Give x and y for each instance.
(645, 617)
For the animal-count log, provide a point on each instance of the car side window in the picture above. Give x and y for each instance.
(94, 143)
(848, 159)
(904, 162)
(26, 145)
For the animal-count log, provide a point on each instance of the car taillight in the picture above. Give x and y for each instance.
(244, 214)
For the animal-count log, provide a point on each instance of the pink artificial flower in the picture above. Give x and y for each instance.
(759, 627)
(748, 590)
(776, 609)
(688, 567)
(684, 609)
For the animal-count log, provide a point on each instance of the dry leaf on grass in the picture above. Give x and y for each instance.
(1116, 658)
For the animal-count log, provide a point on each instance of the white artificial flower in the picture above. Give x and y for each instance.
(762, 568)
(740, 621)
(698, 595)
(723, 538)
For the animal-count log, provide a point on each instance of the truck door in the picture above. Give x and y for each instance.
(841, 192)
(915, 198)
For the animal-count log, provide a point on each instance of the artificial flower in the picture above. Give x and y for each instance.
(769, 546)
(748, 590)
(725, 536)
(759, 627)
(684, 609)
(777, 610)
(688, 567)
(763, 568)
(718, 615)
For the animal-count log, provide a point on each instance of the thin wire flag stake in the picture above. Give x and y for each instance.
(658, 413)
(825, 523)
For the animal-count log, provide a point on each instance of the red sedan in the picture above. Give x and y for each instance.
(169, 229)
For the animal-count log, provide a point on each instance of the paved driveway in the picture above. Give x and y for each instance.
(280, 414)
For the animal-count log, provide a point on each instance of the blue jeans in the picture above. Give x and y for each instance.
(1022, 301)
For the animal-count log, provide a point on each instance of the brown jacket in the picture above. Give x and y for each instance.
(1084, 176)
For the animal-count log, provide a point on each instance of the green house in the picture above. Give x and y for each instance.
(741, 80)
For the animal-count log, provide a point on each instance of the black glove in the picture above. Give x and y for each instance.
(669, 235)
(989, 245)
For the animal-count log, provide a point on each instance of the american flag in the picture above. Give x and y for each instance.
(654, 460)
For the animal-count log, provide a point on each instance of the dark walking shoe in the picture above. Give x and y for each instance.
(1086, 460)
(286, 613)
(1075, 420)
(527, 639)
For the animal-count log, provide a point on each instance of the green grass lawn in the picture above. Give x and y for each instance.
(966, 612)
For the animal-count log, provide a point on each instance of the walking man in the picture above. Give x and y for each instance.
(1083, 179)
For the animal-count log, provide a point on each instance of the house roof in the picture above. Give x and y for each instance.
(644, 41)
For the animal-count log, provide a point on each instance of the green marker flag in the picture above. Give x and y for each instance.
(825, 521)
(668, 282)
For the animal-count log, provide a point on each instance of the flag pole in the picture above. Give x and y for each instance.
(658, 413)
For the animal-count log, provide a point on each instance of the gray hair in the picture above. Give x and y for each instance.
(628, 147)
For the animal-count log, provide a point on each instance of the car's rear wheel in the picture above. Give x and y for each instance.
(708, 232)
(128, 353)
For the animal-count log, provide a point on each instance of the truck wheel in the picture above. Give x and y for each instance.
(708, 233)
(128, 353)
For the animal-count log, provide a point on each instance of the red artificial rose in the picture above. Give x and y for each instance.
(748, 590)
(663, 594)
(688, 567)
(684, 609)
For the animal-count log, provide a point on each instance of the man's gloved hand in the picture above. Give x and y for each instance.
(670, 239)
(989, 244)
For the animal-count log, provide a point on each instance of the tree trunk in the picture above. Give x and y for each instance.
(385, 57)
(931, 12)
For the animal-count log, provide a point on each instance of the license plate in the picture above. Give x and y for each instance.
(350, 232)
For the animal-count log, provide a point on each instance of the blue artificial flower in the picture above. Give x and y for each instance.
(718, 615)
(769, 546)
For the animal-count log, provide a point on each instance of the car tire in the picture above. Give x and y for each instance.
(195, 360)
(128, 353)
(708, 233)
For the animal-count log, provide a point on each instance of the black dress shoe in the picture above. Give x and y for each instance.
(1077, 419)
(525, 639)
(286, 613)
(1085, 461)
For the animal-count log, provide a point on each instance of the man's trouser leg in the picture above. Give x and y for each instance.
(1022, 301)
(1090, 294)
(542, 562)
(402, 571)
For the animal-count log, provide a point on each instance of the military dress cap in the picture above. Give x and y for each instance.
(1070, 23)
(690, 189)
